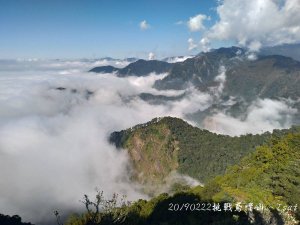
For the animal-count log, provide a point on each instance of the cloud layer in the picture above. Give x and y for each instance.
(54, 129)
(261, 116)
(53, 137)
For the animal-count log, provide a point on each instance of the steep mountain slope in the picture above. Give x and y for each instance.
(262, 189)
(270, 175)
(228, 73)
(167, 144)
(200, 70)
(138, 68)
(268, 76)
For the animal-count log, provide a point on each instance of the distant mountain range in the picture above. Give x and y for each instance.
(267, 76)
(139, 68)
(130, 59)
(260, 168)
(288, 50)
(233, 72)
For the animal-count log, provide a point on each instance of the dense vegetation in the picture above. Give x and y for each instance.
(162, 145)
(11, 220)
(155, 212)
(269, 175)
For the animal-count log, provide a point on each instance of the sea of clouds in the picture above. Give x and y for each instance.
(55, 119)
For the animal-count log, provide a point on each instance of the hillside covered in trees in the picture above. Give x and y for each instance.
(167, 144)
(268, 177)
(12, 220)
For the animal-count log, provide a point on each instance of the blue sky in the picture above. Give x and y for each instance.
(98, 28)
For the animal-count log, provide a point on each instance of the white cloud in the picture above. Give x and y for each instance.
(192, 44)
(262, 115)
(180, 22)
(216, 91)
(196, 23)
(205, 44)
(179, 58)
(151, 56)
(55, 142)
(144, 25)
(257, 23)
(252, 56)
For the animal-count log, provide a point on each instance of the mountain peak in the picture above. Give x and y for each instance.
(166, 144)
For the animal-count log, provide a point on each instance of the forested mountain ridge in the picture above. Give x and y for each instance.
(168, 144)
(263, 188)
